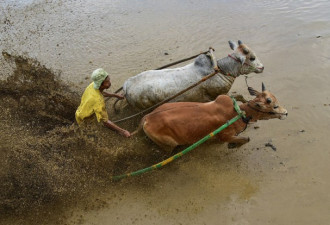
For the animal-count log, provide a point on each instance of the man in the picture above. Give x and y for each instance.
(92, 101)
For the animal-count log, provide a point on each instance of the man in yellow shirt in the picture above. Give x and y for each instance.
(92, 101)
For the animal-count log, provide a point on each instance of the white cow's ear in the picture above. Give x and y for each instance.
(232, 45)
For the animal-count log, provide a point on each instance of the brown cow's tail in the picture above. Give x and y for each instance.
(140, 127)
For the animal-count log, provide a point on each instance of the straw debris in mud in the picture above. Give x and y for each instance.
(45, 157)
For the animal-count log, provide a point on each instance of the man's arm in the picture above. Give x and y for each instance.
(107, 94)
(114, 127)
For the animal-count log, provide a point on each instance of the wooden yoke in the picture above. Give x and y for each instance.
(214, 60)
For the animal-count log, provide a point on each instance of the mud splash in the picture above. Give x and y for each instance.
(45, 157)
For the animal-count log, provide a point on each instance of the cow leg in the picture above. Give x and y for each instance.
(239, 140)
(165, 142)
(167, 146)
(114, 106)
(236, 141)
(123, 104)
(168, 149)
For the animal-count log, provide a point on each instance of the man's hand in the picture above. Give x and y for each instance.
(113, 126)
(125, 133)
(106, 94)
(119, 96)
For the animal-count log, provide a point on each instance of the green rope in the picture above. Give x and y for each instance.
(191, 147)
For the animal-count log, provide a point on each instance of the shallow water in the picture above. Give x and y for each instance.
(212, 185)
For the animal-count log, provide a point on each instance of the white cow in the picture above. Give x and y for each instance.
(150, 87)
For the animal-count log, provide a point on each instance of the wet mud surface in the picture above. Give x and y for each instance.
(52, 172)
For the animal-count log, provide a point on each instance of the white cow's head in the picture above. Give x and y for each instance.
(248, 59)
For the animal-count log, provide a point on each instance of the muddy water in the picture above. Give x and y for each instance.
(213, 185)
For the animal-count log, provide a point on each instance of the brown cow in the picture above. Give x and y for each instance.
(182, 123)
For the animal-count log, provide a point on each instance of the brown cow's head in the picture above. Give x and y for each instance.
(266, 105)
(249, 60)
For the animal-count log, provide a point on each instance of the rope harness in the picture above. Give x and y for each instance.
(241, 114)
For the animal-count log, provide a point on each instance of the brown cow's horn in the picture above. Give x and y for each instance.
(263, 87)
(240, 42)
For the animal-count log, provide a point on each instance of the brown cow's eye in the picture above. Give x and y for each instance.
(269, 100)
(275, 107)
(252, 58)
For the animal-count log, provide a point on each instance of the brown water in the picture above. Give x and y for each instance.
(212, 185)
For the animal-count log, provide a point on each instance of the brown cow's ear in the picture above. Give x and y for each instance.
(252, 91)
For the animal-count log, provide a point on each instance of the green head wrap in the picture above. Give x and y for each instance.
(98, 76)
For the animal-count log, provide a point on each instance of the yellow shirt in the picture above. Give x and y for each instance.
(92, 102)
